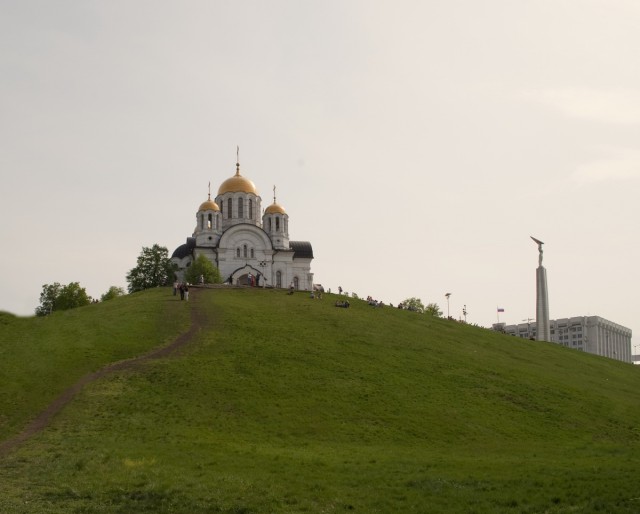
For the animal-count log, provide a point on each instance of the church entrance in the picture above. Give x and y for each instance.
(243, 280)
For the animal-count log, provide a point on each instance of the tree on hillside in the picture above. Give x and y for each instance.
(413, 304)
(433, 309)
(48, 298)
(113, 292)
(202, 266)
(154, 269)
(72, 296)
(56, 297)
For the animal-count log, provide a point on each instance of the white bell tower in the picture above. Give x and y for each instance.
(275, 222)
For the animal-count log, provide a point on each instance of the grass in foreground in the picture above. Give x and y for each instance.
(284, 404)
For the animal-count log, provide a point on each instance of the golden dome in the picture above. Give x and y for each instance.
(209, 205)
(237, 184)
(275, 208)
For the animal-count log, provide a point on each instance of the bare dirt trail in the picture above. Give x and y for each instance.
(45, 417)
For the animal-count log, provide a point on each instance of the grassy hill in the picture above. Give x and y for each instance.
(285, 404)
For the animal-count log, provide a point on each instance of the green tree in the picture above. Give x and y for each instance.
(56, 297)
(113, 292)
(72, 296)
(48, 298)
(202, 266)
(154, 269)
(413, 304)
(433, 309)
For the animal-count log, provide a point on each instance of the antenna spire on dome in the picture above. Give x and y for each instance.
(209, 190)
(274, 194)
(238, 160)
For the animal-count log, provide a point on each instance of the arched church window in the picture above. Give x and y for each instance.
(217, 222)
(240, 208)
(229, 208)
(244, 249)
(269, 223)
(209, 221)
(278, 279)
(277, 223)
(250, 209)
(238, 252)
(202, 222)
(252, 254)
(296, 283)
(286, 225)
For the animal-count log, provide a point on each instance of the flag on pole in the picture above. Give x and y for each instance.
(500, 309)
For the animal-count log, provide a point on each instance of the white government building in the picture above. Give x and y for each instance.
(241, 240)
(591, 334)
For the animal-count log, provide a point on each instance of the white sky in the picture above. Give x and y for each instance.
(416, 144)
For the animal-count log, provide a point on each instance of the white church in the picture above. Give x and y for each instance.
(242, 241)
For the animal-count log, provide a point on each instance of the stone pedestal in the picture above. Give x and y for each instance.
(543, 329)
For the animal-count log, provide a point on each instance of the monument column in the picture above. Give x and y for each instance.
(543, 329)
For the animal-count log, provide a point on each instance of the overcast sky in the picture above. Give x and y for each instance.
(416, 144)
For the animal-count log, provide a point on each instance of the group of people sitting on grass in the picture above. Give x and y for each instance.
(343, 303)
(374, 303)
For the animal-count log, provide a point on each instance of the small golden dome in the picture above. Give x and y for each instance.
(209, 205)
(275, 208)
(237, 184)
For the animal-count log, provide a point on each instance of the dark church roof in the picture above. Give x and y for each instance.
(186, 249)
(301, 249)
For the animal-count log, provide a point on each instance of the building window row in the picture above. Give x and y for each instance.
(241, 206)
(209, 222)
(246, 252)
(275, 222)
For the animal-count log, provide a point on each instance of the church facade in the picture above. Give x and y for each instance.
(243, 241)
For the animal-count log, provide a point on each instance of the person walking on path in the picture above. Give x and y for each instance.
(186, 292)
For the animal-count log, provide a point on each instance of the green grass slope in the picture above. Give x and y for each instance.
(286, 404)
(41, 357)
